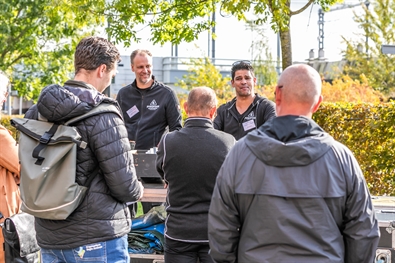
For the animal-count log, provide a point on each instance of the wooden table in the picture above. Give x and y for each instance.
(154, 193)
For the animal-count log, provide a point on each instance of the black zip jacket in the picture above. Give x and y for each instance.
(189, 161)
(147, 113)
(227, 120)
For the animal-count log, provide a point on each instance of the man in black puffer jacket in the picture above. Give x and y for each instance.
(97, 230)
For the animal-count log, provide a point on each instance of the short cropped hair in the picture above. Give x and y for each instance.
(201, 100)
(241, 66)
(138, 52)
(92, 52)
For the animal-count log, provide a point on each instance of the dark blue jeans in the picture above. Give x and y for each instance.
(111, 251)
(183, 252)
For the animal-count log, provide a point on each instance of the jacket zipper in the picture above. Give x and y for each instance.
(141, 115)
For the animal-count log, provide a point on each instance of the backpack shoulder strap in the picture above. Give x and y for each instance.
(103, 107)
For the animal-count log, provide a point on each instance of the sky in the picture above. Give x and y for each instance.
(234, 40)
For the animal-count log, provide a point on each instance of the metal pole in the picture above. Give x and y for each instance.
(212, 39)
(320, 32)
(278, 54)
(20, 105)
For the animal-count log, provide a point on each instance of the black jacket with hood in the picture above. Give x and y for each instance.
(103, 215)
(288, 192)
(260, 111)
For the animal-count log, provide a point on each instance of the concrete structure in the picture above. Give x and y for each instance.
(171, 69)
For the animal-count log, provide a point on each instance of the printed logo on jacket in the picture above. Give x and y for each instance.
(250, 116)
(153, 105)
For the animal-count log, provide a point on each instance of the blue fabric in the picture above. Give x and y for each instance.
(146, 235)
(158, 227)
(114, 251)
(155, 216)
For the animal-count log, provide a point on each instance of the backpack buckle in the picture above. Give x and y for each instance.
(46, 138)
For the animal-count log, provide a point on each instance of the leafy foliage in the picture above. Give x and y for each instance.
(346, 89)
(364, 56)
(369, 131)
(264, 67)
(202, 72)
(37, 40)
(175, 21)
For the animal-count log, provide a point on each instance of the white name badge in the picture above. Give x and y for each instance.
(248, 125)
(132, 111)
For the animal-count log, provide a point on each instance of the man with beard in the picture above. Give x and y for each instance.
(247, 111)
(149, 108)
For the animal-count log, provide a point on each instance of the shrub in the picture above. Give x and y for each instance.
(346, 89)
(369, 131)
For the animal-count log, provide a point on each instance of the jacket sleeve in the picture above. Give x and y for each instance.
(173, 112)
(9, 153)
(361, 232)
(224, 218)
(160, 155)
(218, 120)
(112, 150)
(268, 111)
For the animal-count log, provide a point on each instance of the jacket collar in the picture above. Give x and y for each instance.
(79, 84)
(257, 100)
(134, 84)
(198, 122)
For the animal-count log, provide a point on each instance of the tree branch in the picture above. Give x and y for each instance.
(291, 13)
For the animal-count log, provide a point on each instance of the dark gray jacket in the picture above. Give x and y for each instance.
(189, 161)
(103, 214)
(288, 192)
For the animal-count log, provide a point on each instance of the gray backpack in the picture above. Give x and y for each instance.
(48, 157)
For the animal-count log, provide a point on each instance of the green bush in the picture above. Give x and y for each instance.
(369, 131)
(5, 121)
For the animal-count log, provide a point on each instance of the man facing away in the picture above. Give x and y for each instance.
(10, 201)
(247, 111)
(148, 106)
(97, 230)
(288, 192)
(189, 161)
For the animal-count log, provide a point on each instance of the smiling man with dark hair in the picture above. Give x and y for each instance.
(247, 111)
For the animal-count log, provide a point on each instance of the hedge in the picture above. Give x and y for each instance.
(368, 130)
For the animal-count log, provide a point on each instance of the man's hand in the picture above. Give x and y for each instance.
(141, 190)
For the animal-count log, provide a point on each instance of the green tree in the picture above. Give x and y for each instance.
(37, 39)
(182, 20)
(264, 66)
(202, 72)
(365, 60)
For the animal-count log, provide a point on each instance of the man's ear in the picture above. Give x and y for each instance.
(132, 67)
(186, 107)
(277, 95)
(316, 106)
(102, 69)
(212, 112)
